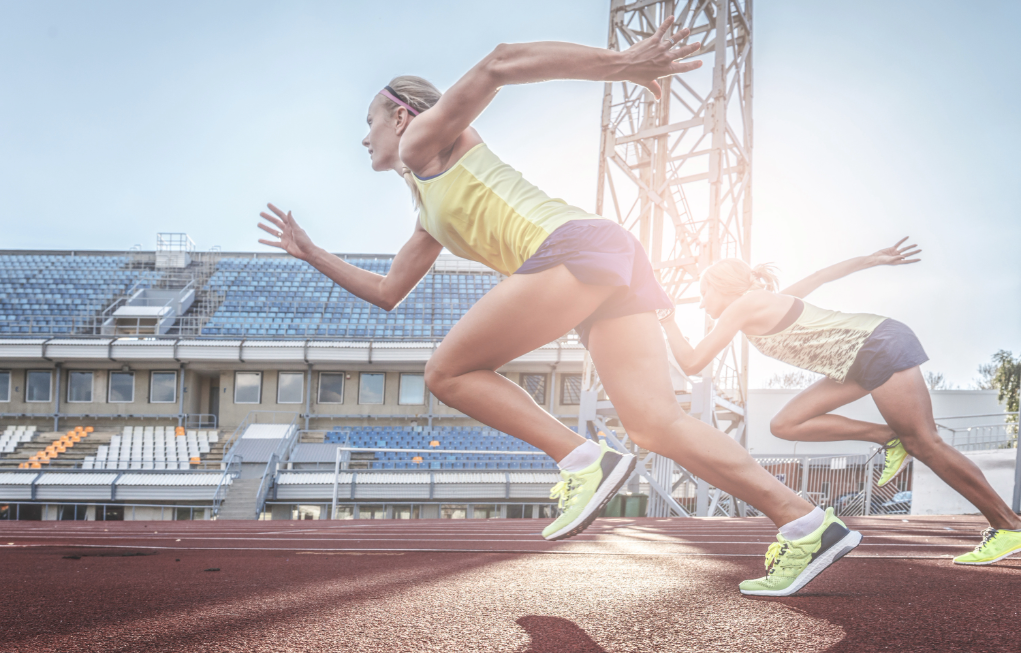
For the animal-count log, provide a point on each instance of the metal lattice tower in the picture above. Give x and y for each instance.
(677, 173)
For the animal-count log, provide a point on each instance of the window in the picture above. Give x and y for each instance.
(535, 385)
(163, 387)
(331, 387)
(38, 384)
(412, 390)
(79, 387)
(289, 386)
(570, 389)
(247, 387)
(370, 388)
(122, 388)
(5, 386)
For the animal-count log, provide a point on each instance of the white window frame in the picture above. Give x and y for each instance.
(9, 383)
(152, 377)
(301, 394)
(109, 386)
(92, 386)
(563, 389)
(343, 387)
(49, 394)
(383, 394)
(239, 373)
(400, 390)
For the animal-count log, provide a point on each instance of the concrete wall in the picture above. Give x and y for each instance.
(100, 385)
(931, 496)
(764, 404)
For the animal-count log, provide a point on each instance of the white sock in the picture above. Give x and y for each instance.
(803, 526)
(582, 456)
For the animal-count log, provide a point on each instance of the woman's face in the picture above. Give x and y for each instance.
(383, 139)
(713, 301)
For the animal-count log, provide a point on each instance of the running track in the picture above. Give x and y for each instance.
(644, 585)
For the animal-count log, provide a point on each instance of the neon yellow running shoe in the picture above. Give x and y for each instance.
(996, 545)
(791, 564)
(582, 494)
(896, 458)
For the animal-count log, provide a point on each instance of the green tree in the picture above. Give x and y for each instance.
(1007, 378)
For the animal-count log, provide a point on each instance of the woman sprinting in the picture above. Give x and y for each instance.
(566, 269)
(859, 354)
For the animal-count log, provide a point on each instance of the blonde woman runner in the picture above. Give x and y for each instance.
(567, 269)
(859, 354)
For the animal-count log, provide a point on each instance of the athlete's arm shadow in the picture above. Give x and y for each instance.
(557, 635)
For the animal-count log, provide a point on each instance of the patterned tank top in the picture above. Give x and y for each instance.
(820, 340)
(482, 209)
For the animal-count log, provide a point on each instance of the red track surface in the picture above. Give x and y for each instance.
(452, 586)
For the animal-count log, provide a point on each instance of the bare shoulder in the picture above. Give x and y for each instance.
(420, 155)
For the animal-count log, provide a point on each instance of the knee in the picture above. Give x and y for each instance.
(921, 445)
(437, 379)
(782, 427)
(650, 428)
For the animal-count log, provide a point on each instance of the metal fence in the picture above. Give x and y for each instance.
(847, 483)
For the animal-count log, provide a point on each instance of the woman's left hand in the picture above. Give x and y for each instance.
(896, 255)
(657, 56)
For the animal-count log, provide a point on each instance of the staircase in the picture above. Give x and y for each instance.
(240, 500)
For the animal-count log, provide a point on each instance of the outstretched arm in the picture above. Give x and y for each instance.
(895, 255)
(695, 359)
(523, 63)
(385, 291)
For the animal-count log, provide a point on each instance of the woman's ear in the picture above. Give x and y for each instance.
(401, 121)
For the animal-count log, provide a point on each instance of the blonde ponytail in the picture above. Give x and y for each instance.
(732, 276)
(420, 94)
(764, 277)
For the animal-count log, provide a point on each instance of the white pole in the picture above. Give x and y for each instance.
(336, 485)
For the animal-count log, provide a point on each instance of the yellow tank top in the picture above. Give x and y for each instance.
(820, 340)
(482, 209)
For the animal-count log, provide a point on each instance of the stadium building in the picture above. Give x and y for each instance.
(175, 384)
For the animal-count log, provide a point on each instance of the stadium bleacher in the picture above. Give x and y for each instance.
(287, 297)
(42, 294)
(500, 451)
(14, 435)
(153, 447)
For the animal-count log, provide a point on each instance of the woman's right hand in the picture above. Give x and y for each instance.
(895, 255)
(292, 238)
(656, 57)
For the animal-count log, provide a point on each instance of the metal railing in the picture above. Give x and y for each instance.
(231, 470)
(994, 431)
(7, 506)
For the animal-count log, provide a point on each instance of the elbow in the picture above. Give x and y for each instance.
(387, 304)
(499, 64)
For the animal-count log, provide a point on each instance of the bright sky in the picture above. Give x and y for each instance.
(873, 120)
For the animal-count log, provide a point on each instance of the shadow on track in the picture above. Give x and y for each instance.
(557, 635)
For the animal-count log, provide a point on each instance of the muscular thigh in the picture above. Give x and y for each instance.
(631, 358)
(521, 313)
(823, 396)
(905, 404)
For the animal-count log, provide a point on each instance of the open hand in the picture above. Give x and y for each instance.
(657, 56)
(896, 255)
(291, 237)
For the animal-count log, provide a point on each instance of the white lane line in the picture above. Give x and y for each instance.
(497, 551)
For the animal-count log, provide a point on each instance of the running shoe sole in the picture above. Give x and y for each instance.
(609, 487)
(816, 567)
(903, 466)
